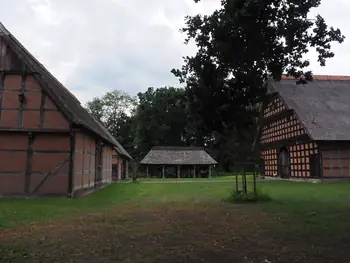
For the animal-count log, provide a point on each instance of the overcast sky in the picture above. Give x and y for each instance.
(93, 46)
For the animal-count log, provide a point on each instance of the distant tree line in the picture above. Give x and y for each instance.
(161, 117)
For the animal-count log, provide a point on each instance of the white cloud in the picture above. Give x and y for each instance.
(93, 46)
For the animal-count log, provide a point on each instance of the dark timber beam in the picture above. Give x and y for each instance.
(286, 142)
(21, 99)
(49, 175)
(2, 79)
(83, 164)
(31, 139)
(278, 116)
(17, 72)
(42, 109)
(71, 163)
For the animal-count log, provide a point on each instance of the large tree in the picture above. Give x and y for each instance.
(161, 118)
(240, 45)
(115, 111)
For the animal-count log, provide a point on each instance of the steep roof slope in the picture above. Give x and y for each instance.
(64, 99)
(178, 156)
(322, 105)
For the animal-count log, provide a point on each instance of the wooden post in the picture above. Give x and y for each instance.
(236, 174)
(178, 172)
(194, 171)
(134, 171)
(254, 182)
(209, 171)
(244, 178)
(147, 174)
(126, 169)
(163, 171)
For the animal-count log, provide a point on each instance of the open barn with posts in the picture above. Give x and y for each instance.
(304, 128)
(170, 161)
(49, 144)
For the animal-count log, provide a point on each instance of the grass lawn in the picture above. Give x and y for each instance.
(180, 223)
(225, 177)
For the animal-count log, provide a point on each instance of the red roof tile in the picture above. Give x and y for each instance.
(322, 77)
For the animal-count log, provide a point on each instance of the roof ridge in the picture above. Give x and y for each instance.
(64, 99)
(322, 77)
(177, 148)
(3, 30)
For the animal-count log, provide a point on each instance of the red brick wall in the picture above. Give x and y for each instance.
(336, 162)
(84, 164)
(117, 162)
(49, 150)
(107, 163)
(29, 117)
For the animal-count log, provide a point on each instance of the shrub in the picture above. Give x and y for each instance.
(251, 197)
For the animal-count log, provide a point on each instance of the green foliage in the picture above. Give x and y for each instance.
(250, 197)
(161, 118)
(115, 111)
(240, 46)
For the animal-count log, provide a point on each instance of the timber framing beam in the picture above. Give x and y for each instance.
(31, 139)
(21, 99)
(16, 109)
(2, 79)
(286, 142)
(283, 114)
(58, 131)
(83, 164)
(329, 145)
(42, 109)
(49, 175)
(71, 162)
(34, 151)
(18, 72)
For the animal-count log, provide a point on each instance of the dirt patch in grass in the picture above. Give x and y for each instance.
(163, 233)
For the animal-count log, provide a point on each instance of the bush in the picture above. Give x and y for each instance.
(251, 197)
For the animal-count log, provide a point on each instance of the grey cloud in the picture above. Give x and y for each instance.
(94, 46)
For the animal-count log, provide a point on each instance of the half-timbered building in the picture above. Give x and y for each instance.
(49, 144)
(304, 129)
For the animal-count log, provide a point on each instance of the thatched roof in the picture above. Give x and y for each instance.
(178, 156)
(68, 104)
(322, 105)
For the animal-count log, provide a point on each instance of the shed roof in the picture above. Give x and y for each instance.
(322, 105)
(178, 156)
(62, 97)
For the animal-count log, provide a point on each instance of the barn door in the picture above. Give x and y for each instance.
(98, 166)
(315, 165)
(284, 163)
(115, 172)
